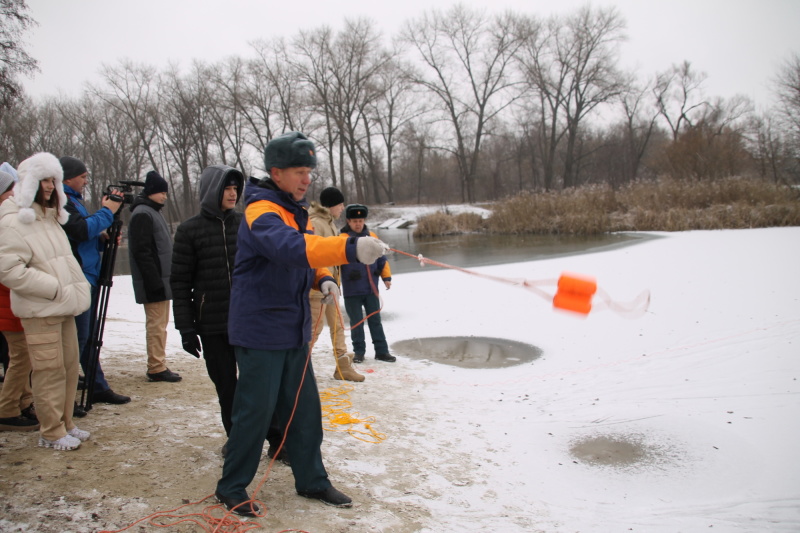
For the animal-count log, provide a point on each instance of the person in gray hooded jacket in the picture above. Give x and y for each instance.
(202, 264)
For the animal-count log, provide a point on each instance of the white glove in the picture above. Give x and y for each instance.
(369, 250)
(330, 292)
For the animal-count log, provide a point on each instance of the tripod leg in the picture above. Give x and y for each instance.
(100, 308)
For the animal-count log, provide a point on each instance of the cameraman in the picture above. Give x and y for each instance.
(86, 235)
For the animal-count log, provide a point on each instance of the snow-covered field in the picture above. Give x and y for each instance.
(705, 385)
(682, 420)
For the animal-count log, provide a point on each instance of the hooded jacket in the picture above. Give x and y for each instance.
(149, 251)
(355, 281)
(36, 261)
(278, 261)
(203, 256)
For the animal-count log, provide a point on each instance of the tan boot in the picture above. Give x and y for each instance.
(345, 370)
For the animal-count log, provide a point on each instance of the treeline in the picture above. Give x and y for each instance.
(657, 205)
(460, 106)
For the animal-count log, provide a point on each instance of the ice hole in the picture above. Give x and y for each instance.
(468, 352)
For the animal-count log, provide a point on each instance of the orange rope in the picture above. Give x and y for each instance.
(633, 309)
(228, 523)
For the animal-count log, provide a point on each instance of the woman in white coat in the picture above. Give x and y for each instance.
(48, 289)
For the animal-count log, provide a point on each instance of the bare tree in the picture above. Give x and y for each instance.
(570, 65)
(177, 134)
(787, 90)
(395, 106)
(312, 60)
(49, 130)
(132, 90)
(358, 59)
(548, 81)
(116, 153)
(279, 99)
(638, 127)
(16, 130)
(679, 97)
(14, 60)
(227, 102)
(590, 55)
(467, 57)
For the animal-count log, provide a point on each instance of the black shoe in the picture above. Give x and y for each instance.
(18, 423)
(109, 396)
(358, 358)
(385, 357)
(30, 413)
(78, 411)
(238, 506)
(329, 496)
(283, 457)
(166, 375)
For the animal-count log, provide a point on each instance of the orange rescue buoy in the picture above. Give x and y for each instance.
(575, 292)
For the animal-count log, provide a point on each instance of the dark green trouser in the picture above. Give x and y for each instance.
(268, 383)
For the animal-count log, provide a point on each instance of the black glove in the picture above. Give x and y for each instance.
(191, 343)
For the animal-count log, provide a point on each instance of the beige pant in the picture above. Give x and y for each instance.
(53, 349)
(16, 394)
(157, 320)
(334, 324)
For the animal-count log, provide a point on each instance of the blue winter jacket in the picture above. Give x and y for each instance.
(278, 262)
(84, 232)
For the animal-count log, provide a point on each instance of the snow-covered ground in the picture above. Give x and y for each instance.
(704, 386)
(682, 420)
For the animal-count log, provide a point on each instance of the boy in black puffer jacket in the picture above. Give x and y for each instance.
(202, 263)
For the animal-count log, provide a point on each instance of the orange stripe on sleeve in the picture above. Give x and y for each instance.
(323, 252)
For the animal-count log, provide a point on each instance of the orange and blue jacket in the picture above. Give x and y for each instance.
(278, 261)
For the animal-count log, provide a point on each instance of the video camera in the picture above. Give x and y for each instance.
(125, 187)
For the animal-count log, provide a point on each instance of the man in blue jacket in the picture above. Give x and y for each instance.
(278, 262)
(86, 233)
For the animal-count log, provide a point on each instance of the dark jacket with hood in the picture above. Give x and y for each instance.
(203, 256)
(149, 251)
(279, 260)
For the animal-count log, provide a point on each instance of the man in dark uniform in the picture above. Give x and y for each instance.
(278, 262)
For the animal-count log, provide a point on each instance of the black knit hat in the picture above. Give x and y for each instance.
(356, 211)
(330, 197)
(73, 167)
(291, 149)
(154, 184)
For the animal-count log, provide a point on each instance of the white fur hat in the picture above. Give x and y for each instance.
(36, 168)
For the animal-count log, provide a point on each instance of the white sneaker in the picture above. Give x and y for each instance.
(79, 434)
(65, 443)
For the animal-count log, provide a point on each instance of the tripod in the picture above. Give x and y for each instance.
(100, 308)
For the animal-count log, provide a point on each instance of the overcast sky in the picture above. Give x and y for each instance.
(740, 44)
